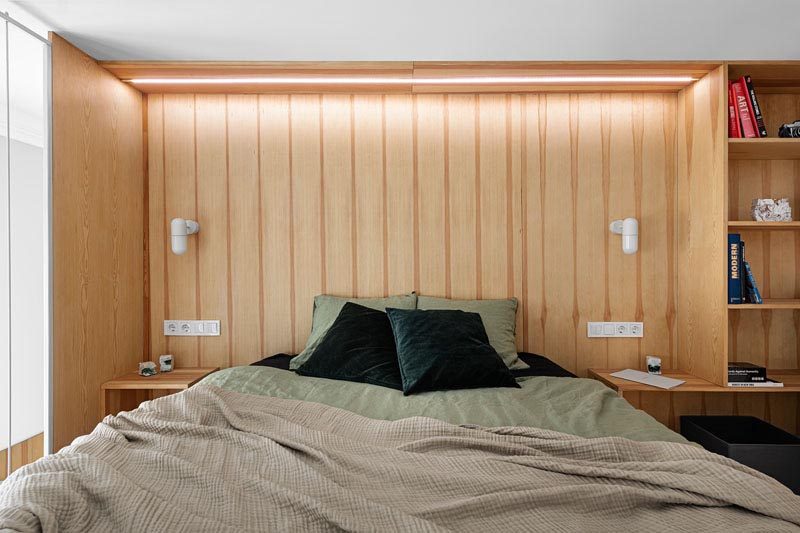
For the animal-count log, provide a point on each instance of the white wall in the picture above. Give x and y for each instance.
(319, 30)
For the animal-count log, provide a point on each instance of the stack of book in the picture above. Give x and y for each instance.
(742, 288)
(749, 375)
(744, 113)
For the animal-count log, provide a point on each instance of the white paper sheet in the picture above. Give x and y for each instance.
(638, 376)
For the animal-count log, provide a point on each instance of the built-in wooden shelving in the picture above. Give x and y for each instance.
(753, 225)
(766, 148)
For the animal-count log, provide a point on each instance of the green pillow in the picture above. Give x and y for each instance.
(327, 308)
(445, 350)
(499, 318)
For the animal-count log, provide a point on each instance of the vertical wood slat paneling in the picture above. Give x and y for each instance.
(245, 220)
(505, 195)
(277, 216)
(399, 193)
(212, 205)
(178, 151)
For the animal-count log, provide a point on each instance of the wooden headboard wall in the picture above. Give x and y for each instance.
(463, 196)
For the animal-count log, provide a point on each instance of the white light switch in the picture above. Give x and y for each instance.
(192, 328)
(615, 329)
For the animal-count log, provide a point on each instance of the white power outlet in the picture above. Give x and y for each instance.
(192, 328)
(615, 329)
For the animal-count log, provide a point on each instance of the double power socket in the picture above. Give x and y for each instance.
(615, 329)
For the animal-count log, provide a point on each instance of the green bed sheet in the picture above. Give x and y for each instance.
(576, 406)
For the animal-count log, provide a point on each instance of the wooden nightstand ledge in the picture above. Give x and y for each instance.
(789, 378)
(128, 391)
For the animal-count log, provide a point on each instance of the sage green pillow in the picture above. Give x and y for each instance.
(327, 308)
(499, 318)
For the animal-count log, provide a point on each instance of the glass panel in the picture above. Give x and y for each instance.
(29, 240)
(5, 371)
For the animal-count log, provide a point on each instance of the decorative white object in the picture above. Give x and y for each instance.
(771, 210)
(148, 368)
(653, 364)
(165, 361)
(629, 229)
(181, 229)
(648, 379)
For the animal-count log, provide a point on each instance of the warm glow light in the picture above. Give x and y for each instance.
(475, 80)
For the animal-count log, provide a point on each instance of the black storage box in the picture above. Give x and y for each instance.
(750, 441)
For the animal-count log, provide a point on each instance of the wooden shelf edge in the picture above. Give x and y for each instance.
(766, 148)
(790, 379)
(764, 226)
(769, 303)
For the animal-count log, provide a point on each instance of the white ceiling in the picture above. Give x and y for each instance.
(424, 29)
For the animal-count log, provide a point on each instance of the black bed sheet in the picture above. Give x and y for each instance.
(539, 365)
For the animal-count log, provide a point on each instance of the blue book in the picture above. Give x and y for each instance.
(735, 286)
(753, 295)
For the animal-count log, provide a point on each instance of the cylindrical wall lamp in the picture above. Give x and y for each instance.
(181, 229)
(629, 229)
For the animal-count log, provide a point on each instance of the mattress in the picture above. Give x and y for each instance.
(576, 406)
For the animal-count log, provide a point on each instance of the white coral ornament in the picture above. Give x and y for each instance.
(771, 210)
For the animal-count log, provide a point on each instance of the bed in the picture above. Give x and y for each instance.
(262, 448)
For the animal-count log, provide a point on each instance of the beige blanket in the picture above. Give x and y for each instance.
(209, 459)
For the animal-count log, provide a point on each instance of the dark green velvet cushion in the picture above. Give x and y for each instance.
(359, 346)
(445, 349)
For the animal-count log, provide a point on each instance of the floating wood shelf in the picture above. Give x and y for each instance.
(768, 148)
(789, 378)
(769, 303)
(753, 225)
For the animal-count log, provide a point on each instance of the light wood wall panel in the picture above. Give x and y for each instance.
(467, 196)
(98, 236)
(702, 210)
(22, 453)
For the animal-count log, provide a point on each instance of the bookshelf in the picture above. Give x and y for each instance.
(767, 334)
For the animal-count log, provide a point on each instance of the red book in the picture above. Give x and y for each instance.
(743, 83)
(734, 131)
(743, 109)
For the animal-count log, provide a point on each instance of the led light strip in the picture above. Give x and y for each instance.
(475, 80)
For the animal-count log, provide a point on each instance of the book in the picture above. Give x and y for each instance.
(734, 129)
(734, 269)
(759, 118)
(751, 289)
(743, 110)
(769, 383)
(750, 110)
(746, 372)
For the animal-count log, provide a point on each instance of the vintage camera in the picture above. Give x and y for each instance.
(790, 130)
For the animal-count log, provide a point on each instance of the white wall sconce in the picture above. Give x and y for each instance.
(629, 229)
(181, 229)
